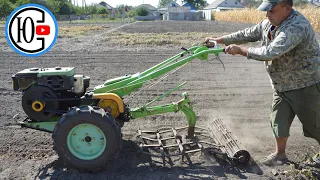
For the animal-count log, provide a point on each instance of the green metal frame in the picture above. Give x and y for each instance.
(43, 126)
(127, 84)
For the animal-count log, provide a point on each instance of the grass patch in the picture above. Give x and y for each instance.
(100, 20)
(158, 39)
(76, 31)
(2, 22)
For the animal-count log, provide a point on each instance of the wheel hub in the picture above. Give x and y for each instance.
(86, 141)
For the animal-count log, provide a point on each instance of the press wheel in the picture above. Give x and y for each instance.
(241, 157)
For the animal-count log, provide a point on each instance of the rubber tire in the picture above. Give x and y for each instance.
(87, 115)
(36, 93)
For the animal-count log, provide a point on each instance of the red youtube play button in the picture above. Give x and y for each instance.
(42, 30)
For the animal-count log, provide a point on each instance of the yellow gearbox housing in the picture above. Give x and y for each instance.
(110, 102)
(110, 106)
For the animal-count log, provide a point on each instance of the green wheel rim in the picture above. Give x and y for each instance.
(86, 141)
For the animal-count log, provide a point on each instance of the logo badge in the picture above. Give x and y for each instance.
(31, 30)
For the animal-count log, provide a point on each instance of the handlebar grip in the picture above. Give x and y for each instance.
(185, 49)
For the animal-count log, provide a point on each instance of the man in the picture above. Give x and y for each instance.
(291, 54)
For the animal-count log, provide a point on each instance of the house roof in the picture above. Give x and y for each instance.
(220, 3)
(148, 6)
(192, 8)
(171, 4)
(106, 5)
(214, 4)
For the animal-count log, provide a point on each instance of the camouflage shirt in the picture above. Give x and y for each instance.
(291, 56)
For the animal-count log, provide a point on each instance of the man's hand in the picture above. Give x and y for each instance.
(209, 41)
(234, 49)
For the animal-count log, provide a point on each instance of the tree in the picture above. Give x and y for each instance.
(65, 7)
(103, 11)
(52, 5)
(196, 3)
(121, 8)
(92, 9)
(164, 3)
(13, 1)
(6, 7)
(79, 10)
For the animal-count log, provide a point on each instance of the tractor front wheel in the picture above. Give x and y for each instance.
(87, 138)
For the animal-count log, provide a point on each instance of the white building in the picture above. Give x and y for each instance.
(221, 5)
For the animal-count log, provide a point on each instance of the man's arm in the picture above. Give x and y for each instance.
(251, 34)
(284, 42)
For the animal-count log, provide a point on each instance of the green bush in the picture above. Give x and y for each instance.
(132, 13)
(142, 11)
(102, 11)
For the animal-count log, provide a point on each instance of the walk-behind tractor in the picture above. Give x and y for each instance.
(86, 125)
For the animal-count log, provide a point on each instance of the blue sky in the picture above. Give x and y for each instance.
(114, 3)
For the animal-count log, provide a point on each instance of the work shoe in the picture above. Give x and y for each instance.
(274, 159)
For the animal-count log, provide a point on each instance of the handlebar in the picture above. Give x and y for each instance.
(216, 45)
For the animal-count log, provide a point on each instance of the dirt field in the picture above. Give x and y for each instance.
(241, 95)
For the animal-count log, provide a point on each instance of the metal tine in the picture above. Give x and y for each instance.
(165, 131)
(165, 155)
(150, 139)
(178, 129)
(149, 131)
(174, 145)
(168, 138)
(202, 128)
(192, 151)
(216, 145)
(204, 135)
(150, 145)
(178, 140)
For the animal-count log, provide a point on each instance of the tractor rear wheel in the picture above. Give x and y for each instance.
(87, 138)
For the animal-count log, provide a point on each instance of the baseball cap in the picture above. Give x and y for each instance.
(267, 5)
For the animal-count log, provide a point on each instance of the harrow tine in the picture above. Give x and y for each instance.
(218, 141)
